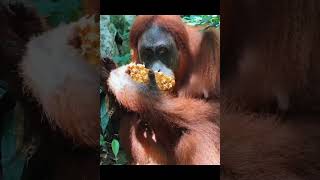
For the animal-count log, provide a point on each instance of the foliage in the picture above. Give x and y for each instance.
(123, 26)
(11, 136)
(122, 59)
(111, 152)
(59, 11)
(108, 32)
(115, 37)
(104, 116)
(206, 20)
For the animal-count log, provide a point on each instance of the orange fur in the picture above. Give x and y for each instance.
(275, 53)
(274, 60)
(91, 7)
(178, 128)
(55, 155)
(257, 146)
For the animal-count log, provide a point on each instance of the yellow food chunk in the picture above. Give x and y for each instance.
(89, 35)
(164, 82)
(139, 73)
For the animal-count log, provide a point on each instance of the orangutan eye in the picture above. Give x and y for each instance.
(162, 50)
(147, 52)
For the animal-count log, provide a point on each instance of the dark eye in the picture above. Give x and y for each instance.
(162, 50)
(147, 51)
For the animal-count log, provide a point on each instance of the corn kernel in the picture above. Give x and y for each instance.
(139, 73)
(89, 34)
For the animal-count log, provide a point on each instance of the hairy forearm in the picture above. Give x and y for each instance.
(158, 106)
(186, 111)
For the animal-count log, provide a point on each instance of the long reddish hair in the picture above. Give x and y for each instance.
(174, 25)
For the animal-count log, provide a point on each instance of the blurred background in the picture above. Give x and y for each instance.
(17, 140)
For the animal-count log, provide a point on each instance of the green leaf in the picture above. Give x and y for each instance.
(122, 60)
(195, 20)
(102, 141)
(104, 116)
(122, 159)
(104, 123)
(12, 170)
(115, 147)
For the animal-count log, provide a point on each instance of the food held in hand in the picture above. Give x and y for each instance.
(139, 73)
